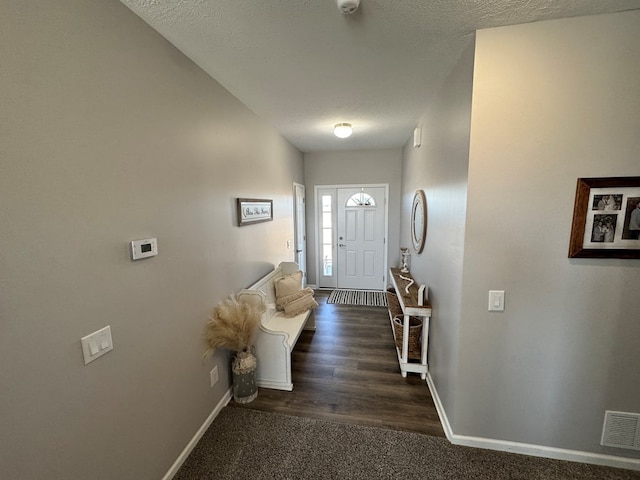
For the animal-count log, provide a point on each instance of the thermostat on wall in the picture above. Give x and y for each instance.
(147, 247)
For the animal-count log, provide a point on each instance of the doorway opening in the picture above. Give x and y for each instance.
(300, 236)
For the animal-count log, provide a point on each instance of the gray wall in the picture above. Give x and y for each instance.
(110, 134)
(439, 167)
(552, 101)
(353, 167)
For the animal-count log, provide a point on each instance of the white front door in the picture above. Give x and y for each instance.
(361, 227)
(300, 240)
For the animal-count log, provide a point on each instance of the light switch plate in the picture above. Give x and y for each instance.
(496, 300)
(96, 344)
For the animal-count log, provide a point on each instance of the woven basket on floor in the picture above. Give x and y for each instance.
(393, 303)
(415, 334)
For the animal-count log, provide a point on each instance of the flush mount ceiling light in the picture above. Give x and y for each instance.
(347, 7)
(342, 130)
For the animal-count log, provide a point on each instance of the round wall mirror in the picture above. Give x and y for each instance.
(419, 221)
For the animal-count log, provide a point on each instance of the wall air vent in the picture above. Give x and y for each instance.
(621, 430)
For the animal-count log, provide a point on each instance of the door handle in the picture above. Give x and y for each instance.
(342, 245)
(298, 251)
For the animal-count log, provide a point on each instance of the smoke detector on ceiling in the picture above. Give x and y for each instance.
(347, 7)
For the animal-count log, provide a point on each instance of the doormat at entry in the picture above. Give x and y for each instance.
(368, 298)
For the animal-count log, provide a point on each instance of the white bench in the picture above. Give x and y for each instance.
(277, 334)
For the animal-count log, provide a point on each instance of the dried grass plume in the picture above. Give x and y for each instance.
(232, 325)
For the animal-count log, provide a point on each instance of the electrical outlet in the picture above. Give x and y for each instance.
(213, 376)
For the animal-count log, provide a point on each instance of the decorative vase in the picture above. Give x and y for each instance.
(406, 260)
(243, 367)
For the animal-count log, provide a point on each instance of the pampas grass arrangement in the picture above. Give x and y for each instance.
(232, 325)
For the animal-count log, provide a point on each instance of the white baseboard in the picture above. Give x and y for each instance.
(548, 452)
(440, 408)
(275, 385)
(198, 435)
(527, 448)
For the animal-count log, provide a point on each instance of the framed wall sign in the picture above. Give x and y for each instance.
(606, 218)
(253, 210)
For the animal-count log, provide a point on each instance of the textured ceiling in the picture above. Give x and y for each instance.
(303, 66)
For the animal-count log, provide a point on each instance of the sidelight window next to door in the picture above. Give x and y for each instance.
(327, 235)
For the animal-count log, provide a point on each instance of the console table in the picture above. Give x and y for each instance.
(409, 307)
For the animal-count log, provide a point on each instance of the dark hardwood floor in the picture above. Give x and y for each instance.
(347, 371)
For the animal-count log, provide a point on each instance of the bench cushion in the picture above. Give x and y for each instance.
(300, 304)
(287, 285)
(281, 302)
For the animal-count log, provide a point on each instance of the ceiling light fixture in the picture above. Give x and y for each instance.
(347, 7)
(342, 130)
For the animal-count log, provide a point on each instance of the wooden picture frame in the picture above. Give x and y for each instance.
(605, 218)
(254, 210)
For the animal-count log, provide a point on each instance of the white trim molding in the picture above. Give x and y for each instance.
(224, 401)
(527, 448)
(440, 408)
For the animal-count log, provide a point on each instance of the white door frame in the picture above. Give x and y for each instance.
(300, 244)
(316, 225)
